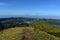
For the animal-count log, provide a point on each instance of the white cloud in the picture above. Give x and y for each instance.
(2, 4)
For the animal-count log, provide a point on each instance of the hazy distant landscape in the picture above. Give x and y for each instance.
(21, 21)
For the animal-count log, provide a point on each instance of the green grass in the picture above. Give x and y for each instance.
(12, 33)
(41, 35)
(40, 31)
(46, 27)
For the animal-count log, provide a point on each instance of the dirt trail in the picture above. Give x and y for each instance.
(26, 34)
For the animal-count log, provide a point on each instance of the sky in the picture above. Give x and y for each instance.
(30, 8)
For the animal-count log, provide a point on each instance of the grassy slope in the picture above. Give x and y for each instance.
(39, 32)
(46, 27)
(50, 29)
(12, 33)
(41, 35)
(16, 34)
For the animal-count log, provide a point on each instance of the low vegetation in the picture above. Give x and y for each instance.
(42, 30)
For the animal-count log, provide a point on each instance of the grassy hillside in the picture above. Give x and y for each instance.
(41, 35)
(12, 33)
(46, 27)
(40, 31)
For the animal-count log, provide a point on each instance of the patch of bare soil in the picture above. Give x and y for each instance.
(26, 34)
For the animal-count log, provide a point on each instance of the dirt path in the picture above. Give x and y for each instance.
(26, 34)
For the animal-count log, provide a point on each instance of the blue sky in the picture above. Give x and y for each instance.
(30, 8)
